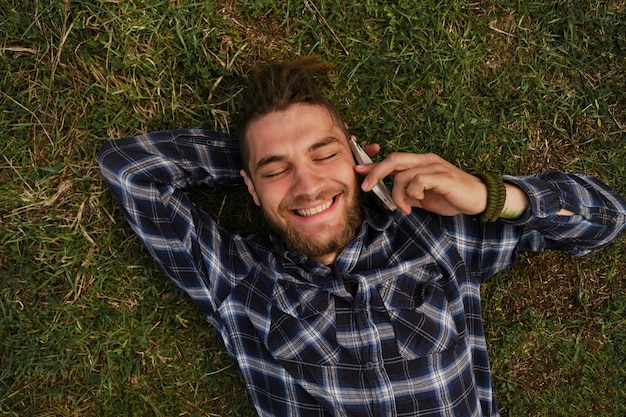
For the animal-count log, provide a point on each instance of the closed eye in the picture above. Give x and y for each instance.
(326, 156)
(273, 174)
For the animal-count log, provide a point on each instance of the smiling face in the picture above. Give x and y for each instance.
(302, 175)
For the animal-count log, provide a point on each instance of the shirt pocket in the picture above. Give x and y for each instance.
(302, 327)
(421, 316)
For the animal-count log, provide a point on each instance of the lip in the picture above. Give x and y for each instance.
(316, 211)
(312, 211)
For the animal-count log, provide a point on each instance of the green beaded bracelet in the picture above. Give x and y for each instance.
(496, 196)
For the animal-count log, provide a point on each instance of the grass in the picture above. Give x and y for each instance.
(90, 326)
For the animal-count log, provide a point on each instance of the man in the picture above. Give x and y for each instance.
(345, 308)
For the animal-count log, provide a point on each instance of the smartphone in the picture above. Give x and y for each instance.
(380, 189)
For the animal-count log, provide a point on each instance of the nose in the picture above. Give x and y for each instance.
(307, 181)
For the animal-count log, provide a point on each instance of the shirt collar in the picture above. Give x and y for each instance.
(377, 217)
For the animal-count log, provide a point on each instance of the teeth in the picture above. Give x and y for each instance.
(312, 211)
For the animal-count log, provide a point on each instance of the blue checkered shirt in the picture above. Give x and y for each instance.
(407, 341)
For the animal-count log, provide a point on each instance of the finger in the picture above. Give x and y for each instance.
(408, 191)
(393, 164)
(418, 181)
(402, 200)
(364, 169)
(371, 149)
(422, 186)
(415, 190)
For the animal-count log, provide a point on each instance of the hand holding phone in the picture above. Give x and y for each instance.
(380, 189)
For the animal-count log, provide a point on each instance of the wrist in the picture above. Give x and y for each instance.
(516, 202)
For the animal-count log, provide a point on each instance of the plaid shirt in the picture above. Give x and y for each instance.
(408, 341)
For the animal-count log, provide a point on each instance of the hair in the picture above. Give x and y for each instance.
(277, 87)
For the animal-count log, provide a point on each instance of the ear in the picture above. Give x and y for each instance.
(250, 186)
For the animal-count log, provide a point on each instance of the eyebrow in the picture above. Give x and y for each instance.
(269, 160)
(278, 158)
(323, 142)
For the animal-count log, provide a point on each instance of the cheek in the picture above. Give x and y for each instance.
(270, 196)
(350, 176)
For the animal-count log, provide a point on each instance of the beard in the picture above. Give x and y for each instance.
(296, 241)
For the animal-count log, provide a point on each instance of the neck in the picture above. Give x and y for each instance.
(326, 259)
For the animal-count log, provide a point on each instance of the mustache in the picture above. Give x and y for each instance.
(302, 201)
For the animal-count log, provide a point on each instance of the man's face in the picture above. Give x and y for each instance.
(302, 175)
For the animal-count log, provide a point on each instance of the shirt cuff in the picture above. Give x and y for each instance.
(544, 193)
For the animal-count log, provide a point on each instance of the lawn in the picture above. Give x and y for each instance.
(90, 326)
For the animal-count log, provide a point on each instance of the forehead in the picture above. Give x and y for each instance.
(295, 129)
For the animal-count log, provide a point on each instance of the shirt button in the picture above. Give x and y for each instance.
(369, 366)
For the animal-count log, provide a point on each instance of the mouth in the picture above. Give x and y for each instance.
(312, 211)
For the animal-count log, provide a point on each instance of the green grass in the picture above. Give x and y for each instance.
(89, 325)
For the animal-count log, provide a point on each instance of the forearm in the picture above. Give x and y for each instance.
(181, 158)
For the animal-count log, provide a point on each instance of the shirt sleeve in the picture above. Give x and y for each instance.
(600, 216)
(147, 175)
(600, 213)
